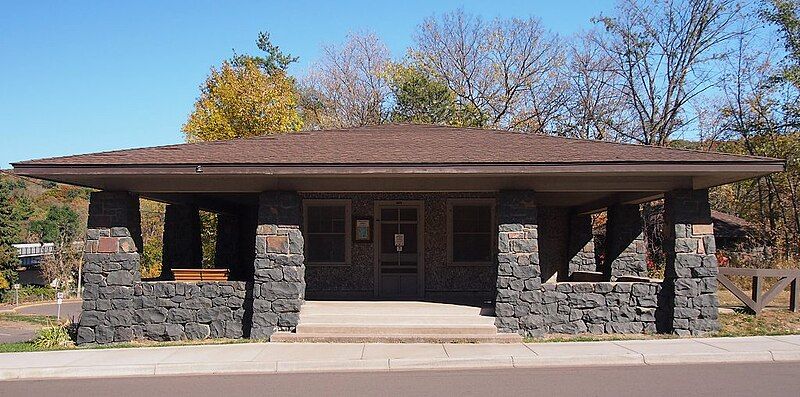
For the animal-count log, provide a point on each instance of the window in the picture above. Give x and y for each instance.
(470, 224)
(327, 232)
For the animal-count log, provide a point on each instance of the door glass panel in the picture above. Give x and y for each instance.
(389, 214)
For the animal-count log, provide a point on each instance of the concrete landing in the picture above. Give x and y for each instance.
(394, 322)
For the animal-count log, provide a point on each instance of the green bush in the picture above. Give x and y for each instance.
(29, 293)
(53, 336)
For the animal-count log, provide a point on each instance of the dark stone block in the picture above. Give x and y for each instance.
(85, 335)
(197, 331)
(104, 334)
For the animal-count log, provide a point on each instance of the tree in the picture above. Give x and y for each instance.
(243, 101)
(60, 227)
(664, 53)
(274, 61)
(9, 232)
(757, 115)
(592, 105)
(247, 96)
(347, 86)
(152, 221)
(507, 69)
(420, 98)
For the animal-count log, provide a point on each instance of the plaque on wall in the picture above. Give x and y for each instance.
(363, 230)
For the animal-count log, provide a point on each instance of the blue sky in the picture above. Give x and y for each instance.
(79, 77)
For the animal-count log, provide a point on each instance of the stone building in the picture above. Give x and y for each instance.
(402, 213)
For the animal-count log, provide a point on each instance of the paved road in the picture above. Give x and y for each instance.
(768, 379)
(71, 309)
(22, 332)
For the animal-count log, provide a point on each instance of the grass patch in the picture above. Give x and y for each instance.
(25, 318)
(768, 322)
(31, 347)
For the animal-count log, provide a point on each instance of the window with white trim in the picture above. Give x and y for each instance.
(327, 232)
(471, 234)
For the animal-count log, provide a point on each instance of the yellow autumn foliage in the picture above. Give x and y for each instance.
(240, 101)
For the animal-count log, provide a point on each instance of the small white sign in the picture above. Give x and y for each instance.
(17, 286)
(399, 241)
(59, 296)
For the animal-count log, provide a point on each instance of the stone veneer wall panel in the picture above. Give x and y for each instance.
(441, 280)
(279, 280)
(598, 308)
(690, 283)
(169, 310)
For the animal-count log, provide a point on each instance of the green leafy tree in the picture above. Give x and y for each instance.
(420, 98)
(60, 227)
(9, 233)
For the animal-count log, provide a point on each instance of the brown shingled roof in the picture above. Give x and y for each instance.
(396, 144)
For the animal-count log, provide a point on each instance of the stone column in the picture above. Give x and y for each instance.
(519, 297)
(227, 246)
(690, 283)
(580, 252)
(625, 248)
(183, 247)
(110, 268)
(279, 279)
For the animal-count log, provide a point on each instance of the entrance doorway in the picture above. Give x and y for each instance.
(398, 271)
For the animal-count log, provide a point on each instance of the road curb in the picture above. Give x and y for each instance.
(399, 364)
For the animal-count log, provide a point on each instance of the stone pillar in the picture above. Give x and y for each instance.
(279, 279)
(110, 268)
(227, 246)
(625, 248)
(519, 297)
(580, 252)
(690, 283)
(183, 246)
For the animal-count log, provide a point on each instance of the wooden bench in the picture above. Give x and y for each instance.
(757, 301)
(192, 275)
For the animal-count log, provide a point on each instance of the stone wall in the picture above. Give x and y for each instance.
(168, 310)
(356, 280)
(182, 248)
(519, 295)
(580, 252)
(690, 283)
(554, 237)
(110, 268)
(625, 248)
(597, 308)
(279, 279)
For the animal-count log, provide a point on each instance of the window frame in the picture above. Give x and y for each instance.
(489, 202)
(307, 203)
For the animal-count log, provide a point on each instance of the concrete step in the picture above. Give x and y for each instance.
(334, 319)
(396, 329)
(423, 309)
(394, 338)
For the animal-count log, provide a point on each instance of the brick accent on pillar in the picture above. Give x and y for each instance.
(110, 268)
(625, 248)
(519, 295)
(183, 247)
(690, 282)
(279, 279)
(580, 252)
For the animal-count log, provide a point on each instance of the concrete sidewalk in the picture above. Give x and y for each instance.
(304, 357)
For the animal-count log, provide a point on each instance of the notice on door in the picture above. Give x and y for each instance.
(399, 241)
